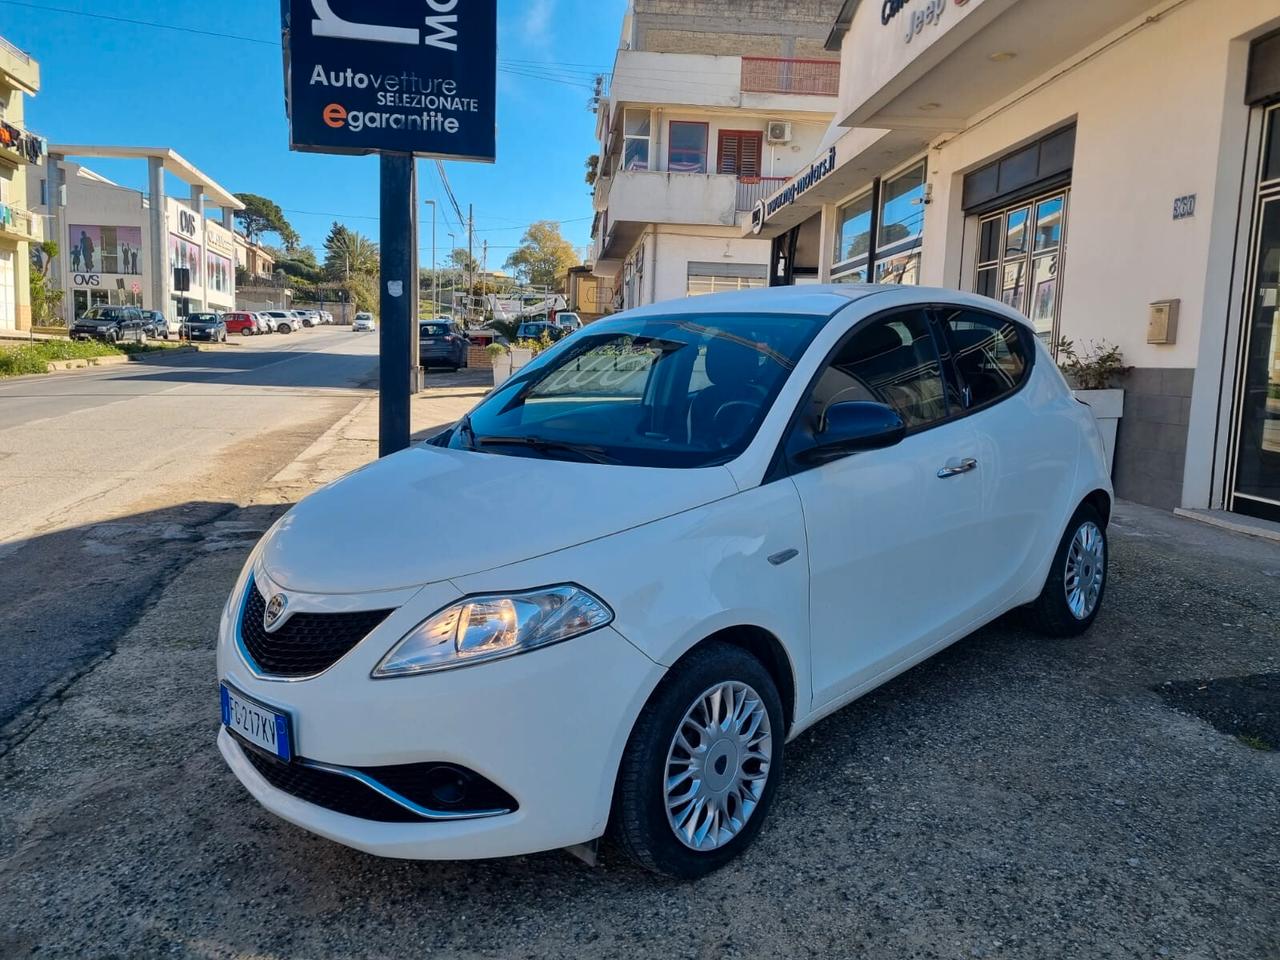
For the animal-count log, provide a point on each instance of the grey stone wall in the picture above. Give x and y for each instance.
(1151, 443)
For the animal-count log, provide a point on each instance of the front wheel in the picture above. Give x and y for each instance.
(1072, 595)
(702, 764)
(247, 332)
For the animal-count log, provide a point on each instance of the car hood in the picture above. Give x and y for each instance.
(430, 513)
(95, 322)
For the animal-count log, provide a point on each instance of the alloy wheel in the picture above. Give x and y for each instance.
(717, 765)
(1086, 570)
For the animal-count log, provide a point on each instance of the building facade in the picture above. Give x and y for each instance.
(705, 115)
(122, 246)
(20, 231)
(1110, 168)
(254, 259)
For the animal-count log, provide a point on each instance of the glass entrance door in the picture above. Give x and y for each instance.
(1020, 253)
(1256, 489)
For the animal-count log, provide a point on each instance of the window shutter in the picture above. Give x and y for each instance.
(740, 153)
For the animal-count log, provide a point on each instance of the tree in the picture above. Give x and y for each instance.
(46, 299)
(260, 216)
(543, 254)
(349, 253)
(461, 260)
(300, 264)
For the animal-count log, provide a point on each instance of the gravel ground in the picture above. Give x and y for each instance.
(1011, 798)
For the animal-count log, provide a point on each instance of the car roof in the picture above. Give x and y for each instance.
(817, 300)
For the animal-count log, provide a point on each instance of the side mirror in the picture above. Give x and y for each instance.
(852, 427)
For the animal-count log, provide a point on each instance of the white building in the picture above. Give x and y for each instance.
(706, 114)
(119, 245)
(20, 231)
(1083, 161)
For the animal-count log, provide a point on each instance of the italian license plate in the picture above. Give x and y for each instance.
(261, 726)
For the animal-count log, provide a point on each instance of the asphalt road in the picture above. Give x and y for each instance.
(112, 480)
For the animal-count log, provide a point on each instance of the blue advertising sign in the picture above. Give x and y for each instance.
(394, 76)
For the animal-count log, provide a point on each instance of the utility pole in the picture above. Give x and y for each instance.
(398, 299)
(471, 259)
(484, 272)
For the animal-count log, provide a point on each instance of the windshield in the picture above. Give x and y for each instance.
(105, 313)
(433, 329)
(685, 391)
(530, 331)
(203, 318)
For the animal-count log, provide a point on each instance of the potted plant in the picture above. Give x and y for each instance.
(1092, 375)
(500, 360)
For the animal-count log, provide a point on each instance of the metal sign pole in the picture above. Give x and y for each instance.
(398, 296)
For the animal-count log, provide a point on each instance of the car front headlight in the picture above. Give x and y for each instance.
(493, 626)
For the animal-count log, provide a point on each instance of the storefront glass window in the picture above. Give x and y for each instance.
(1019, 255)
(1015, 241)
(1049, 224)
(635, 140)
(902, 207)
(855, 229)
(902, 269)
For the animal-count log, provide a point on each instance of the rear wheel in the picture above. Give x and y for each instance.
(1073, 593)
(702, 764)
(247, 331)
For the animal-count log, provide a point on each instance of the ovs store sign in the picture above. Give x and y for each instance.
(395, 76)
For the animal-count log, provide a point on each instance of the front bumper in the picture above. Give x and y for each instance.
(548, 727)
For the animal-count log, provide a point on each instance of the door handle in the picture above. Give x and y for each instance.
(957, 467)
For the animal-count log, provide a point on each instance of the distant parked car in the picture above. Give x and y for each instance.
(283, 321)
(325, 316)
(364, 323)
(306, 317)
(156, 324)
(442, 343)
(111, 324)
(571, 322)
(245, 324)
(205, 326)
(264, 323)
(534, 329)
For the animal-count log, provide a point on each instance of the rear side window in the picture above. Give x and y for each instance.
(891, 360)
(990, 354)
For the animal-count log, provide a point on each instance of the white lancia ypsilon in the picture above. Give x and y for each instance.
(604, 601)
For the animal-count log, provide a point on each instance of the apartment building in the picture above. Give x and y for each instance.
(706, 115)
(1109, 167)
(255, 260)
(20, 230)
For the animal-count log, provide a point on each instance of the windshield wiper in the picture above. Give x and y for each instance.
(589, 451)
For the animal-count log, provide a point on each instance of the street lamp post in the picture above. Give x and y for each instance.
(435, 277)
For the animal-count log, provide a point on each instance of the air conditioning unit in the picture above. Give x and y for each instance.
(779, 131)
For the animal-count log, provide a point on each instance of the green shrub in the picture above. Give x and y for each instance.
(35, 357)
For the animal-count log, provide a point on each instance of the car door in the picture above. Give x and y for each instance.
(1026, 448)
(886, 528)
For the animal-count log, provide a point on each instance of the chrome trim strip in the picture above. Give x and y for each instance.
(425, 812)
(249, 662)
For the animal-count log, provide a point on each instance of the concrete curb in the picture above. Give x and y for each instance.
(84, 363)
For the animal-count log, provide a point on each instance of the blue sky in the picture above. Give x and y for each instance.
(219, 102)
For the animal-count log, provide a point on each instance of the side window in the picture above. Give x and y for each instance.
(990, 354)
(892, 360)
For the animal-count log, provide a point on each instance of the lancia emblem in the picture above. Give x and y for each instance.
(275, 610)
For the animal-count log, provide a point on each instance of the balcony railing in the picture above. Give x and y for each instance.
(751, 190)
(778, 75)
(14, 51)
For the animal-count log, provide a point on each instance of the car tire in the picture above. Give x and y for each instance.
(246, 332)
(113, 337)
(1077, 582)
(640, 822)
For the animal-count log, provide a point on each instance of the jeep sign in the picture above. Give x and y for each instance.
(393, 76)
